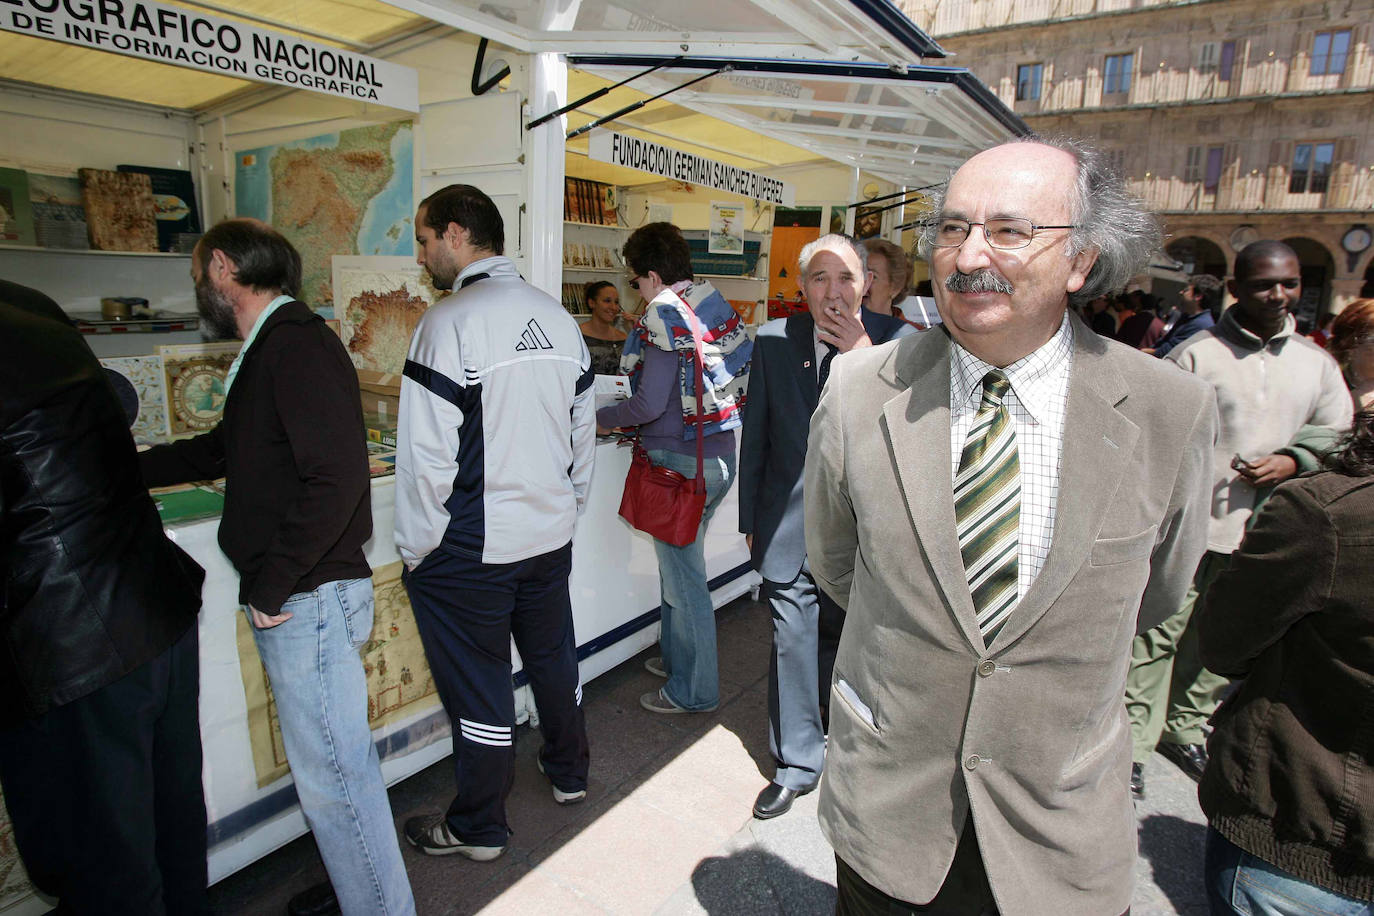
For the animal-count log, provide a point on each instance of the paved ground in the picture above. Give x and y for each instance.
(666, 827)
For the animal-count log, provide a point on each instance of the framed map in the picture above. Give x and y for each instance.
(194, 378)
(346, 193)
(378, 301)
(144, 374)
(399, 684)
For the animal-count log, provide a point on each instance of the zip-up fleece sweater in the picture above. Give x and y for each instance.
(1266, 393)
(497, 427)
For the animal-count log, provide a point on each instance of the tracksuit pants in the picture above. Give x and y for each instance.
(467, 612)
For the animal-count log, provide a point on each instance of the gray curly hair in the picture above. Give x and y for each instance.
(1118, 226)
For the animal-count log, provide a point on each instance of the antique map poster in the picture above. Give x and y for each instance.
(120, 215)
(378, 301)
(14, 882)
(399, 684)
(193, 375)
(144, 373)
(347, 193)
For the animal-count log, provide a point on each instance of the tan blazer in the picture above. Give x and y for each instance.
(1030, 735)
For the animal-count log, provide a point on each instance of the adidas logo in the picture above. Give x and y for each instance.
(534, 338)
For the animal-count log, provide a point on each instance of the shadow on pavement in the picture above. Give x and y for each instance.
(1174, 848)
(629, 746)
(753, 882)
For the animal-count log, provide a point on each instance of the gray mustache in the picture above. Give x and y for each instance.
(981, 281)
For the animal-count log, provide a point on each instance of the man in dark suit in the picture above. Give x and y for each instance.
(792, 359)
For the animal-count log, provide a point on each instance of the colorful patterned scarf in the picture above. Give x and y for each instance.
(726, 349)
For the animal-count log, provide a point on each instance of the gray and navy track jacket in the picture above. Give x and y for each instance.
(497, 429)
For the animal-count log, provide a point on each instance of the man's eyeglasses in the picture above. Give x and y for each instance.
(1008, 233)
(634, 282)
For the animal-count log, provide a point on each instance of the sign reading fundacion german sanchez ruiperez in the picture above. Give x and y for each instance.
(664, 161)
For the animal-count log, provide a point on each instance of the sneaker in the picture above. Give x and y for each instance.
(655, 666)
(429, 833)
(1138, 781)
(657, 702)
(563, 798)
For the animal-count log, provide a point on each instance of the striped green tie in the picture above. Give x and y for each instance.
(987, 507)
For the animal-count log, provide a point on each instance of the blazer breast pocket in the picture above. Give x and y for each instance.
(1111, 551)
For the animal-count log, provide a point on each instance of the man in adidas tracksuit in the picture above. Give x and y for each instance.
(496, 440)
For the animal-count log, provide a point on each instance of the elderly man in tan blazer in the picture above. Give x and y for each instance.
(1001, 505)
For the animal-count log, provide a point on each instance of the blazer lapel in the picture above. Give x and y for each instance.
(1098, 441)
(917, 427)
(799, 331)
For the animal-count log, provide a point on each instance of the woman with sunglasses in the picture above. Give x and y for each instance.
(661, 363)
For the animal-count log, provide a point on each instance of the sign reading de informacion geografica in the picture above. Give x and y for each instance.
(187, 38)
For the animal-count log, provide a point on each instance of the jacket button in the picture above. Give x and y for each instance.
(986, 669)
(973, 761)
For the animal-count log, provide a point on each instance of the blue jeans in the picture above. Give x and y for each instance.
(687, 637)
(1239, 883)
(321, 694)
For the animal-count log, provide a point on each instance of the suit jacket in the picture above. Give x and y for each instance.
(782, 397)
(1029, 736)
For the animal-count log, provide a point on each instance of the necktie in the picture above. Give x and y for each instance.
(824, 372)
(987, 507)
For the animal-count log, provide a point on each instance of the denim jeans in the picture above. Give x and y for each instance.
(1239, 883)
(321, 694)
(687, 636)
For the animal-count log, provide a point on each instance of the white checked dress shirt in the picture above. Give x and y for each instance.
(1037, 401)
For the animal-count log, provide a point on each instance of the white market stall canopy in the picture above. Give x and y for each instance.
(908, 127)
(807, 80)
(842, 30)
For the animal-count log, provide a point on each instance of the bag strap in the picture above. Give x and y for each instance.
(699, 360)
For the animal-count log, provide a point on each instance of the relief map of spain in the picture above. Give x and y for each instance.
(347, 193)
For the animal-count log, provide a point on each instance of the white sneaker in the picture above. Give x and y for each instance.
(655, 666)
(563, 798)
(429, 833)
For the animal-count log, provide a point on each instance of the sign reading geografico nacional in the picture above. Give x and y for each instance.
(188, 38)
(666, 162)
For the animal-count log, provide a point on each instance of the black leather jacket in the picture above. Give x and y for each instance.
(92, 587)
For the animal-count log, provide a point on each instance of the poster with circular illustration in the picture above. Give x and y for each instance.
(195, 384)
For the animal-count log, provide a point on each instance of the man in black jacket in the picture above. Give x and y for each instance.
(99, 738)
(297, 513)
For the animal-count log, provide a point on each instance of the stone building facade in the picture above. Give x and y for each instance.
(1235, 119)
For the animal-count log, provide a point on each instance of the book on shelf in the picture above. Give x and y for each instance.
(16, 211)
(591, 202)
(120, 214)
(380, 429)
(59, 219)
(174, 202)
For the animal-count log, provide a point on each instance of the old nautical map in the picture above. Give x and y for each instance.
(378, 301)
(347, 193)
(399, 684)
(194, 379)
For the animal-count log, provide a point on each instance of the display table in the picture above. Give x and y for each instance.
(615, 600)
